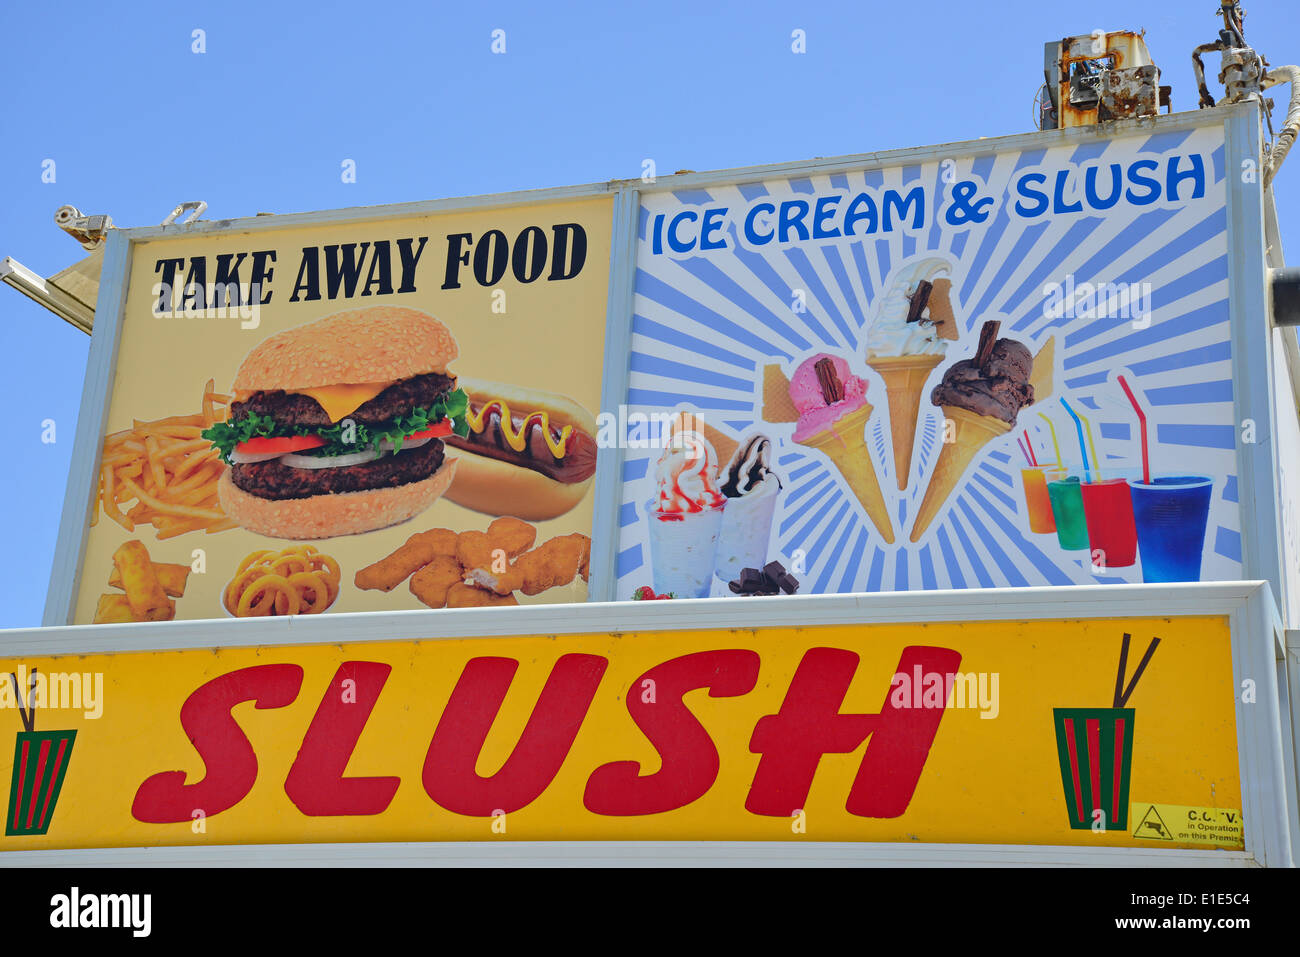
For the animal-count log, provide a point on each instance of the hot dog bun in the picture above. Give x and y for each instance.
(497, 486)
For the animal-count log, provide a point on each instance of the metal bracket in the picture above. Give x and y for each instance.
(195, 208)
(90, 231)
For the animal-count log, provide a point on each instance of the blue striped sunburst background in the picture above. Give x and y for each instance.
(705, 326)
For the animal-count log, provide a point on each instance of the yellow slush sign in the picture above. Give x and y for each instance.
(937, 733)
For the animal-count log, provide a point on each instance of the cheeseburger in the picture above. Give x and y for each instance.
(336, 427)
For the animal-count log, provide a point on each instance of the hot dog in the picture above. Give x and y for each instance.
(529, 454)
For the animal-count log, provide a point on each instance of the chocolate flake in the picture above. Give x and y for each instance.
(988, 339)
(918, 300)
(832, 388)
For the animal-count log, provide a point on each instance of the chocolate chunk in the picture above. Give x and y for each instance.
(773, 570)
(750, 578)
(789, 584)
(735, 587)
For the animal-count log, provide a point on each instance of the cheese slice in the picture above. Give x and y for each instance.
(339, 401)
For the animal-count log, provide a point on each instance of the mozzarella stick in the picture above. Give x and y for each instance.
(144, 593)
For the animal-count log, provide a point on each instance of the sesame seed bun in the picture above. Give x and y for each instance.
(375, 344)
(338, 513)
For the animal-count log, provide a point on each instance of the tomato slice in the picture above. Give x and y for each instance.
(261, 445)
(433, 431)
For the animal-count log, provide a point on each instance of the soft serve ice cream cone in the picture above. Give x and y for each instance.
(686, 517)
(981, 397)
(751, 488)
(833, 414)
(907, 339)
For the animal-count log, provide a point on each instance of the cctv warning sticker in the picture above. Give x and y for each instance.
(1176, 823)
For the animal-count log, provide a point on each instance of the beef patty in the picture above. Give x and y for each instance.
(295, 408)
(274, 480)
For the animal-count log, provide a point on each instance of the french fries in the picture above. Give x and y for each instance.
(163, 473)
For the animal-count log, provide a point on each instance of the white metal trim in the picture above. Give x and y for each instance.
(1073, 136)
(360, 214)
(1252, 359)
(625, 854)
(1067, 602)
(1260, 754)
(83, 470)
(608, 493)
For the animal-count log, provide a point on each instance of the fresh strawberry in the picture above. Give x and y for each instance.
(644, 593)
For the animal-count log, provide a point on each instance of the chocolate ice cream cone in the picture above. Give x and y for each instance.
(904, 379)
(973, 432)
(845, 444)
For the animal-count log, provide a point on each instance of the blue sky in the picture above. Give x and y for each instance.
(137, 122)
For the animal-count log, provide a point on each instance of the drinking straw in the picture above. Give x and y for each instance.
(27, 716)
(1025, 452)
(1055, 445)
(1142, 420)
(1092, 449)
(1122, 694)
(1087, 469)
(1029, 444)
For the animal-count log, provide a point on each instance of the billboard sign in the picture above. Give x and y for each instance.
(1005, 368)
(351, 415)
(1006, 363)
(1001, 725)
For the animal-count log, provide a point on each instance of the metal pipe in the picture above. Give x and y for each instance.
(1286, 138)
(1206, 99)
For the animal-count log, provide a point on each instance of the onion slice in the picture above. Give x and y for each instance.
(293, 460)
(387, 446)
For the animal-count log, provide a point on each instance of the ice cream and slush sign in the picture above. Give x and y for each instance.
(993, 370)
(1044, 732)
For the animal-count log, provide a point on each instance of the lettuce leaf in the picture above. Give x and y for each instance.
(343, 437)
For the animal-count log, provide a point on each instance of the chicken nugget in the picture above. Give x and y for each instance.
(474, 549)
(537, 570)
(510, 580)
(468, 596)
(387, 573)
(432, 582)
(570, 555)
(512, 535)
(443, 540)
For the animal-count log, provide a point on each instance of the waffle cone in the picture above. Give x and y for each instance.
(777, 406)
(845, 445)
(973, 433)
(904, 379)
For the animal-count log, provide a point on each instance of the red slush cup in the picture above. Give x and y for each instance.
(1108, 510)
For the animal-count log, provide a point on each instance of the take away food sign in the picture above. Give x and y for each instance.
(1044, 732)
(302, 419)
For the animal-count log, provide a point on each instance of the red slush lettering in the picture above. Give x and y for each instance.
(316, 784)
(449, 775)
(809, 725)
(688, 758)
(229, 758)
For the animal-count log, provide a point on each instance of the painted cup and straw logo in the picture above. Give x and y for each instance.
(1121, 516)
(40, 764)
(1095, 749)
